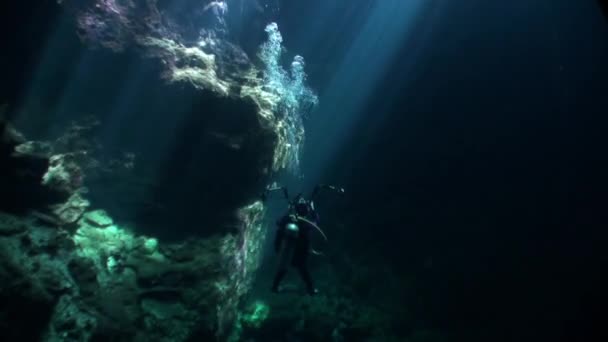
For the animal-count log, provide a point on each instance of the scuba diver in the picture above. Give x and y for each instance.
(293, 234)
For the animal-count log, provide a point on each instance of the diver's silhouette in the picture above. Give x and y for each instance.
(292, 240)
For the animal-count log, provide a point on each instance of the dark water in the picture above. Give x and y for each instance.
(470, 137)
(478, 167)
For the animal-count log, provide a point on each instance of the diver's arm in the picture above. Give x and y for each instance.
(272, 188)
(320, 187)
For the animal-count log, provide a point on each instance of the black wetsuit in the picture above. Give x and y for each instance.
(295, 247)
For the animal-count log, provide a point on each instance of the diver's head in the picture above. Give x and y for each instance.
(302, 207)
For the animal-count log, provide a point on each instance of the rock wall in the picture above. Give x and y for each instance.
(200, 110)
(207, 141)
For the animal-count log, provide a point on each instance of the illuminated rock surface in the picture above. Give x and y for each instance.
(109, 283)
(160, 241)
(89, 278)
(178, 271)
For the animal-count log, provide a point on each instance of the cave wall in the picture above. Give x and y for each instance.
(197, 154)
(179, 244)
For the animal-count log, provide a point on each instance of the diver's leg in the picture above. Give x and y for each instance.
(277, 279)
(285, 254)
(305, 275)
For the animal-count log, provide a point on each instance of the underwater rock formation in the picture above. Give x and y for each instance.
(88, 278)
(104, 282)
(192, 42)
(202, 109)
(21, 175)
(203, 99)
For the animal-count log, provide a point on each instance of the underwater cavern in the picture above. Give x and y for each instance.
(303, 170)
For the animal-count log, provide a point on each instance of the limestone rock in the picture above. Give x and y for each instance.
(21, 175)
(72, 210)
(63, 173)
(10, 226)
(102, 280)
(65, 277)
(98, 218)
